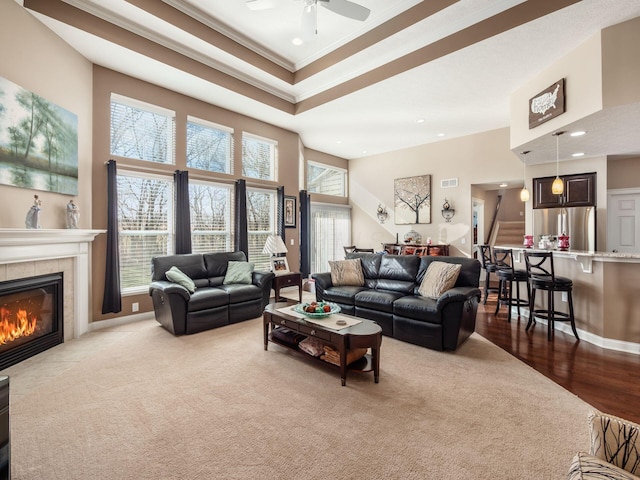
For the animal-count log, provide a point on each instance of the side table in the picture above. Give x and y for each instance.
(287, 280)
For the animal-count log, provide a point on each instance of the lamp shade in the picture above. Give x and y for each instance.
(274, 245)
(524, 194)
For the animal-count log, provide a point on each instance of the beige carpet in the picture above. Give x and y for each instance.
(147, 405)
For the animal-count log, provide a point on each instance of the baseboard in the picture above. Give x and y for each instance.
(608, 343)
(115, 322)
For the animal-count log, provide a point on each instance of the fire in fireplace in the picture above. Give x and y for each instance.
(31, 317)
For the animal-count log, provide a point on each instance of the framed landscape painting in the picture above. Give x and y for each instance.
(412, 200)
(38, 142)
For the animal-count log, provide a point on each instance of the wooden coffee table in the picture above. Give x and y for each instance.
(365, 334)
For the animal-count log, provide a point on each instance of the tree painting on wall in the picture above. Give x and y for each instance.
(38, 142)
(412, 199)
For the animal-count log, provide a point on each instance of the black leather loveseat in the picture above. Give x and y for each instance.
(390, 297)
(213, 303)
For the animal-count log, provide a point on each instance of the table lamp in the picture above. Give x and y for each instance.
(274, 246)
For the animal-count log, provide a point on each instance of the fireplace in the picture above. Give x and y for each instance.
(31, 317)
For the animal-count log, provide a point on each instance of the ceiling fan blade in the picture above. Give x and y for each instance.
(309, 21)
(346, 9)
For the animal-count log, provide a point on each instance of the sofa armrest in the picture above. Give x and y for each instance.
(586, 467)
(169, 288)
(616, 441)
(322, 283)
(457, 294)
(262, 279)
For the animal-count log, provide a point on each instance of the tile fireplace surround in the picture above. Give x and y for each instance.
(25, 253)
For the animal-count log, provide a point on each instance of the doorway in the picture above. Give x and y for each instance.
(477, 223)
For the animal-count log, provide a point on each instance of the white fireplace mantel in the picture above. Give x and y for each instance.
(32, 245)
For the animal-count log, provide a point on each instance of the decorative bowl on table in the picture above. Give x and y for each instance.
(317, 309)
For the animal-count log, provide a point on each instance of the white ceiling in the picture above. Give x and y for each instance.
(461, 93)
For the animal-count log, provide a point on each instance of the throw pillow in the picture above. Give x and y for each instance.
(347, 272)
(238, 272)
(175, 275)
(439, 277)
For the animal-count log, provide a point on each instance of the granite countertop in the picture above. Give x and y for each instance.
(581, 253)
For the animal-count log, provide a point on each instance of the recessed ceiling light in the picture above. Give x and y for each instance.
(579, 133)
(577, 154)
(297, 41)
(338, 141)
(502, 185)
(441, 134)
(364, 151)
(420, 120)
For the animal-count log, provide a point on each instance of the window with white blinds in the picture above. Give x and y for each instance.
(142, 131)
(145, 221)
(326, 179)
(209, 146)
(259, 157)
(211, 214)
(261, 222)
(330, 232)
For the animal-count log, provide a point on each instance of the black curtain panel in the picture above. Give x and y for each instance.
(241, 229)
(183, 212)
(281, 212)
(111, 299)
(305, 233)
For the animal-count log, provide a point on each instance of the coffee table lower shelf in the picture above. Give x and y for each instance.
(364, 364)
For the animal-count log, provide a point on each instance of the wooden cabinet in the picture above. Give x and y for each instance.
(579, 191)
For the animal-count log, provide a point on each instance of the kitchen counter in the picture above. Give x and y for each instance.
(585, 258)
(604, 295)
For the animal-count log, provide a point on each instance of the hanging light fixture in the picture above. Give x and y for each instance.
(524, 193)
(557, 187)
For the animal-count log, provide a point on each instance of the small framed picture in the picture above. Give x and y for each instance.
(279, 265)
(290, 212)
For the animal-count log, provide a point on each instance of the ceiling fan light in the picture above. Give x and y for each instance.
(524, 194)
(557, 187)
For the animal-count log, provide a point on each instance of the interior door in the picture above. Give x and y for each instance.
(623, 222)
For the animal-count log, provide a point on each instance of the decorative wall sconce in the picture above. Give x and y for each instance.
(382, 213)
(447, 211)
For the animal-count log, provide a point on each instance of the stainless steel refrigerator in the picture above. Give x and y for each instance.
(579, 223)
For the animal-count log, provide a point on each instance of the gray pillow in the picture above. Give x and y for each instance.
(238, 272)
(175, 275)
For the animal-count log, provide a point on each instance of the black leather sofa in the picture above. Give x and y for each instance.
(390, 297)
(213, 303)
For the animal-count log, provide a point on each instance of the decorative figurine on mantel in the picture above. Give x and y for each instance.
(33, 215)
(73, 214)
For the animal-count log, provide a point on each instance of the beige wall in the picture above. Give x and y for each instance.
(107, 81)
(623, 173)
(35, 58)
(474, 159)
(621, 64)
(582, 70)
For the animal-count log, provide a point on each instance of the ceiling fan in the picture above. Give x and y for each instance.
(345, 8)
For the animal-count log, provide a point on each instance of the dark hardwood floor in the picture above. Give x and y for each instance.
(606, 379)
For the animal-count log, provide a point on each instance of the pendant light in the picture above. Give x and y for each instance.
(557, 187)
(524, 193)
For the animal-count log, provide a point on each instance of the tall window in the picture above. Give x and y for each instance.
(145, 220)
(209, 146)
(142, 131)
(326, 179)
(211, 228)
(330, 232)
(261, 220)
(259, 157)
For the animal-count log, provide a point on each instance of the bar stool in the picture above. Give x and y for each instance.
(542, 277)
(486, 258)
(507, 275)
